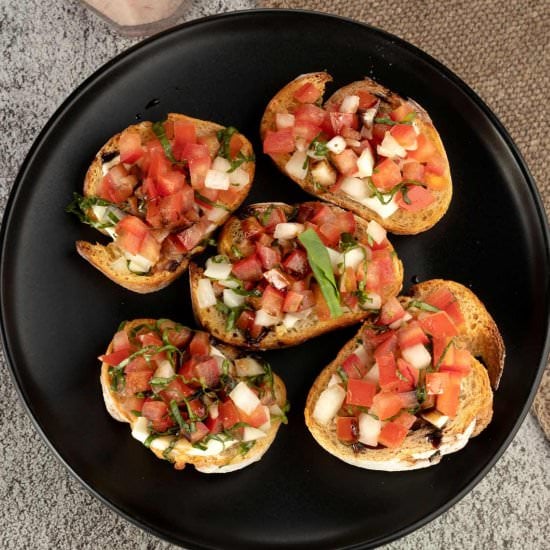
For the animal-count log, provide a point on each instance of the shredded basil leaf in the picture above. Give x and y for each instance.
(211, 203)
(158, 128)
(169, 449)
(385, 198)
(80, 205)
(347, 242)
(389, 122)
(319, 261)
(318, 146)
(236, 252)
(423, 306)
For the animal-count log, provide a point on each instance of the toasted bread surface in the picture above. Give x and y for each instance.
(183, 452)
(214, 321)
(169, 266)
(418, 450)
(400, 222)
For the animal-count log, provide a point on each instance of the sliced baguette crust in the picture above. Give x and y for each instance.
(229, 460)
(214, 321)
(100, 255)
(402, 221)
(473, 416)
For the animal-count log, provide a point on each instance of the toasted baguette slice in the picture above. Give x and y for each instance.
(233, 238)
(425, 444)
(402, 221)
(171, 262)
(218, 458)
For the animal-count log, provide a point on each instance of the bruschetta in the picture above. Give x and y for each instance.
(160, 190)
(366, 149)
(190, 400)
(411, 386)
(284, 274)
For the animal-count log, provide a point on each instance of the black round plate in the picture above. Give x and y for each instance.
(59, 313)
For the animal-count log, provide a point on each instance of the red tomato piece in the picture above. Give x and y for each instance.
(115, 358)
(198, 168)
(307, 93)
(117, 185)
(404, 134)
(297, 264)
(137, 364)
(443, 298)
(130, 147)
(214, 425)
(246, 320)
(437, 382)
(385, 267)
(176, 391)
(272, 217)
(385, 405)
(330, 234)
(269, 257)
(458, 363)
(339, 121)
(279, 141)
(376, 337)
(321, 307)
(386, 175)
(158, 163)
(391, 311)
(306, 130)
(229, 414)
(235, 145)
(346, 222)
(387, 368)
(292, 302)
(405, 419)
(272, 301)
(366, 99)
(360, 392)
(438, 324)
(184, 133)
(169, 183)
(200, 344)
(409, 373)
(348, 281)
(410, 335)
(436, 164)
(131, 233)
(121, 341)
(424, 151)
(415, 199)
(346, 162)
(196, 408)
(353, 367)
(386, 345)
(191, 237)
(154, 410)
(442, 346)
(346, 428)
(447, 403)
(150, 339)
(248, 269)
(413, 171)
(401, 112)
(198, 433)
(258, 417)
(310, 113)
(392, 435)
(322, 214)
(252, 228)
(208, 371)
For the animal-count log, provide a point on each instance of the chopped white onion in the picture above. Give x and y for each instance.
(106, 166)
(205, 294)
(323, 173)
(251, 434)
(383, 210)
(217, 270)
(232, 299)
(350, 104)
(290, 319)
(284, 120)
(373, 375)
(367, 118)
(336, 259)
(247, 366)
(287, 230)
(217, 180)
(275, 410)
(418, 356)
(264, 319)
(140, 429)
(373, 301)
(435, 417)
(216, 214)
(244, 398)
(297, 165)
(221, 165)
(396, 324)
(334, 379)
(214, 410)
(239, 177)
(336, 145)
(138, 263)
(120, 265)
(329, 404)
(390, 147)
(277, 279)
(376, 231)
(355, 187)
(369, 430)
(161, 443)
(214, 447)
(229, 283)
(354, 256)
(362, 354)
(164, 370)
(365, 163)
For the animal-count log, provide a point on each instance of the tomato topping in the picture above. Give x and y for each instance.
(392, 435)
(228, 413)
(405, 419)
(458, 362)
(415, 198)
(208, 371)
(272, 217)
(149, 339)
(404, 134)
(442, 298)
(447, 403)
(272, 301)
(330, 234)
(296, 263)
(138, 381)
(269, 257)
(154, 410)
(339, 121)
(115, 357)
(191, 237)
(184, 133)
(292, 302)
(214, 425)
(353, 366)
(321, 307)
(200, 343)
(235, 145)
(437, 382)
(424, 151)
(117, 185)
(410, 335)
(310, 113)
(346, 428)
(279, 142)
(386, 175)
(130, 147)
(258, 417)
(385, 405)
(200, 431)
(248, 269)
(360, 392)
(346, 162)
(413, 171)
(400, 113)
(391, 311)
(366, 99)
(252, 228)
(438, 324)
(306, 130)
(307, 93)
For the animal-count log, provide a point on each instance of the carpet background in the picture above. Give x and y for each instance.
(499, 48)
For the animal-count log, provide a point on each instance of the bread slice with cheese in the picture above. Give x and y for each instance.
(168, 385)
(179, 200)
(432, 435)
(375, 184)
(287, 325)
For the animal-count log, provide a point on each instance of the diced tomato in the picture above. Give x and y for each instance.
(436, 165)
(269, 257)
(272, 217)
(138, 381)
(258, 417)
(272, 301)
(385, 267)
(252, 228)
(391, 311)
(410, 335)
(387, 344)
(121, 341)
(353, 367)
(235, 145)
(184, 133)
(193, 151)
(117, 185)
(440, 346)
(178, 336)
(330, 234)
(279, 141)
(366, 99)
(211, 142)
(158, 163)
(346, 428)
(385, 405)
(459, 363)
(438, 324)
(443, 298)
(386, 175)
(387, 368)
(321, 215)
(154, 410)
(306, 130)
(346, 222)
(360, 392)
(197, 408)
(198, 433)
(348, 281)
(292, 301)
(321, 307)
(345, 162)
(400, 113)
(409, 373)
(379, 132)
(170, 182)
(131, 232)
(150, 339)
(307, 93)
(404, 134)
(392, 435)
(248, 269)
(415, 199)
(447, 402)
(198, 168)
(137, 364)
(370, 273)
(208, 371)
(115, 358)
(214, 425)
(176, 390)
(228, 413)
(405, 419)
(200, 344)
(296, 263)
(424, 151)
(413, 171)
(255, 332)
(130, 147)
(339, 121)
(191, 237)
(437, 382)
(376, 337)
(310, 113)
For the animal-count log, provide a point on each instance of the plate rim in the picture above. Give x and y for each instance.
(74, 96)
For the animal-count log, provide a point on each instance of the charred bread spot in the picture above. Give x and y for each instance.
(109, 156)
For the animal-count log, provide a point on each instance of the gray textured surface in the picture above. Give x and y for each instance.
(48, 48)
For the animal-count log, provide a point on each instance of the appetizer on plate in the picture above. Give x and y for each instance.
(366, 149)
(284, 274)
(160, 190)
(411, 386)
(189, 400)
